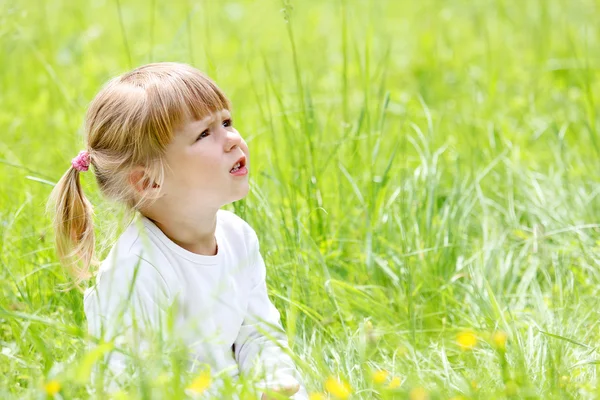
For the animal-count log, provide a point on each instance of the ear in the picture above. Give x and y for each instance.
(140, 180)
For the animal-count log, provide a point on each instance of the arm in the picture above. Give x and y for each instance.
(261, 345)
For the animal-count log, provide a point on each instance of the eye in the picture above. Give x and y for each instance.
(202, 135)
(227, 123)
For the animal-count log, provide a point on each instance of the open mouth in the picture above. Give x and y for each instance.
(241, 163)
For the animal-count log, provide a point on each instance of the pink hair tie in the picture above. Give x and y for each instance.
(82, 162)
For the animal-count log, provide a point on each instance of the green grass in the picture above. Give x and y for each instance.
(420, 169)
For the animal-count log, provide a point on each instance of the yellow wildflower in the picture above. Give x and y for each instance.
(201, 383)
(466, 340)
(395, 383)
(370, 333)
(52, 387)
(418, 394)
(316, 396)
(499, 339)
(380, 376)
(520, 234)
(339, 389)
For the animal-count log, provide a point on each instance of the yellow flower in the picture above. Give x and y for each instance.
(564, 381)
(418, 394)
(341, 390)
(380, 376)
(52, 387)
(499, 339)
(201, 383)
(520, 234)
(370, 332)
(395, 383)
(457, 398)
(466, 340)
(316, 396)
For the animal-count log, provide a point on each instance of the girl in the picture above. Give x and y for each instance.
(161, 141)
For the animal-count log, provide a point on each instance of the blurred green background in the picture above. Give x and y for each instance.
(423, 172)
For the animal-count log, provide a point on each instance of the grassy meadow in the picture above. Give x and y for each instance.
(425, 186)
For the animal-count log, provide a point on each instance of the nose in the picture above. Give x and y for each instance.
(233, 140)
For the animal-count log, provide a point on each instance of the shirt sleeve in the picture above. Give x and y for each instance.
(261, 346)
(127, 307)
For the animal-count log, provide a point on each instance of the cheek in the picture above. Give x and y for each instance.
(208, 168)
(189, 169)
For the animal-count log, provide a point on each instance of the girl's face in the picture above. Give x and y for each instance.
(207, 165)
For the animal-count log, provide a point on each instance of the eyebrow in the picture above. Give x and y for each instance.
(209, 120)
(199, 124)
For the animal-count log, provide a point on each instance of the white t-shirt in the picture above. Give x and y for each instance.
(217, 305)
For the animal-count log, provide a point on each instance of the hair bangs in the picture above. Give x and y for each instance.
(180, 95)
(203, 97)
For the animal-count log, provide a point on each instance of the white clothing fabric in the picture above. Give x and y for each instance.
(217, 305)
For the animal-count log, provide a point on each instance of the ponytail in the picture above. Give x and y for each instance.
(73, 226)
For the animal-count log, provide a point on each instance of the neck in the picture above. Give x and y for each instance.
(195, 234)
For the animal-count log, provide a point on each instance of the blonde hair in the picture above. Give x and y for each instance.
(128, 124)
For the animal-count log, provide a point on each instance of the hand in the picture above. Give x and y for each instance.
(281, 392)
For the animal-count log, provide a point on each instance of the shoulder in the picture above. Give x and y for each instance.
(232, 220)
(130, 267)
(233, 225)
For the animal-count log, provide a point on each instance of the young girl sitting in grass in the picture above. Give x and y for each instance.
(161, 141)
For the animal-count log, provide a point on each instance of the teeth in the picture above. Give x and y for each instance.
(235, 167)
